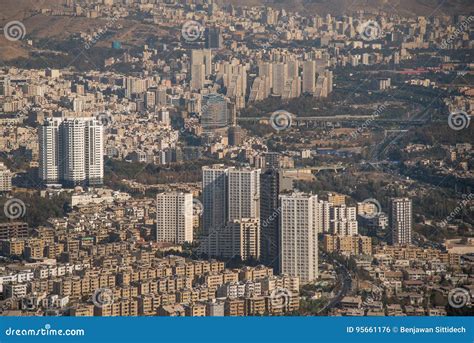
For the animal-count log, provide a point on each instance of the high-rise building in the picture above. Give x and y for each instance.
(343, 220)
(213, 38)
(244, 193)
(201, 67)
(198, 76)
(135, 86)
(270, 16)
(299, 236)
(259, 90)
(161, 96)
(400, 219)
(214, 197)
(272, 183)
(293, 69)
(265, 71)
(202, 56)
(330, 80)
(164, 117)
(73, 147)
(174, 217)
(324, 216)
(292, 88)
(229, 194)
(150, 99)
(235, 135)
(234, 77)
(240, 238)
(71, 151)
(270, 217)
(322, 86)
(309, 77)
(279, 78)
(50, 170)
(5, 86)
(214, 112)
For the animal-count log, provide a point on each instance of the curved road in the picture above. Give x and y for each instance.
(346, 281)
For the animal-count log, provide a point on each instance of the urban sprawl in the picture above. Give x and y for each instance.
(238, 161)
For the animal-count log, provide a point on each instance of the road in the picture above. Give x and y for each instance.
(346, 280)
(338, 118)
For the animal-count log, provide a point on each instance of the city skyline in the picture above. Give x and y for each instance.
(224, 158)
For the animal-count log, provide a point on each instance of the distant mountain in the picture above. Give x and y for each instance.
(338, 7)
(19, 8)
(60, 27)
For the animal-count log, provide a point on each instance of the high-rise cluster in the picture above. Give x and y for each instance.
(284, 79)
(231, 217)
(71, 151)
(247, 216)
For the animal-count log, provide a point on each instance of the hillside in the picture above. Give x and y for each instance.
(39, 26)
(338, 7)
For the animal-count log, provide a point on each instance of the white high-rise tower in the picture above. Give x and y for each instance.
(49, 169)
(73, 147)
(299, 236)
(400, 217)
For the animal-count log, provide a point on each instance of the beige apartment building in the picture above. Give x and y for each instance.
(353, 245)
